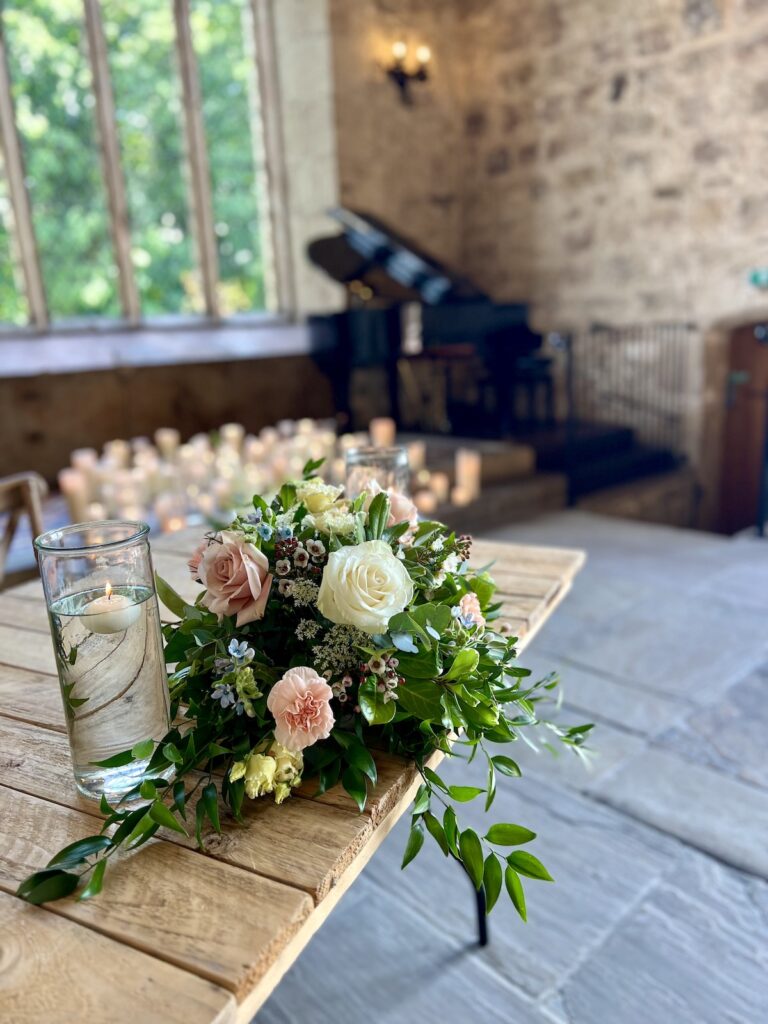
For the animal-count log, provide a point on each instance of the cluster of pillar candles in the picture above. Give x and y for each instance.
(208, 477)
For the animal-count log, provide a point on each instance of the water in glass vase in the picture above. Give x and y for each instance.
(109, 655)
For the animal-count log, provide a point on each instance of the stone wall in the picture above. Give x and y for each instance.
(602, 158)
(402, 163)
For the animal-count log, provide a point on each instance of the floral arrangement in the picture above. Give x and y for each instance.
(328, 629)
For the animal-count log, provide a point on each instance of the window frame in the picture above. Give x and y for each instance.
(279, 277)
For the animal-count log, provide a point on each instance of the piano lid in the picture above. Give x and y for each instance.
(390, 264)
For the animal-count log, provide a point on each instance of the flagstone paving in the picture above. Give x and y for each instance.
(660, 908)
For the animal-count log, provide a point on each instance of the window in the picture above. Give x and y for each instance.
(131, 178)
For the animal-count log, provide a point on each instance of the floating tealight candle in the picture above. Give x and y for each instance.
(111, 613)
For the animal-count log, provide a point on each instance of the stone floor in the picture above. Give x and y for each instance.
(659, 849)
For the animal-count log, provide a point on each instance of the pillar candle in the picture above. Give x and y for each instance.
(440, 485)
(468, 470)
(167, 440)
(74, 487)
(382, 430)
(417, 455)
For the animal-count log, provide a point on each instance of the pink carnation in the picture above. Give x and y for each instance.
(469, 606)
(236, 577)
(300, 704)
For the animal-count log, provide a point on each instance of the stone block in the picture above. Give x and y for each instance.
(701, 806)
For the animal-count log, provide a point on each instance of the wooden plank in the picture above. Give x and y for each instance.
(528, 559)
(158, 899)
(21, 648)
(55, 971)
(28, 615)
(31, 697)
(513, 584)
(305, 843)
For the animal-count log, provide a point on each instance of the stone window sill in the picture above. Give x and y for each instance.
(80, 351)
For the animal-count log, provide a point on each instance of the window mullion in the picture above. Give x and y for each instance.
(275, 190)
(111, 162)
(197, 158)
(23, 226)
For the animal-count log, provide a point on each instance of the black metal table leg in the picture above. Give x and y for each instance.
(482, 918)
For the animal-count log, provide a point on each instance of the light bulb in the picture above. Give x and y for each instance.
(399, 50)
(423, 54)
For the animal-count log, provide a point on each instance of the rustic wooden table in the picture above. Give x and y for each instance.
(179, 935)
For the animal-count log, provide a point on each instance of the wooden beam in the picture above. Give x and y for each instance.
(24, 231)
(110, 160)
(201, 203)
(280, 283)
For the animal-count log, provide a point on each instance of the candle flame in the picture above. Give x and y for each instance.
(108, 590)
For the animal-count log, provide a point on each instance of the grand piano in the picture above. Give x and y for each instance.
(405, 306)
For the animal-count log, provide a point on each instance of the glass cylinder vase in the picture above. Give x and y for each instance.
(105, 624)
(388, 467)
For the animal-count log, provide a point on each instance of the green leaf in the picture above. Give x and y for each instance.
(373, 706)
(509, 835)
(526, 864)
(484, 586)
(79, 851)
(104, 805)
(210, 798)
(421, 803)
(116, 761)
(463, 794)
(436, 830)
(48, 885)
(492, 877)
(421, 698)
(471, 851)
(378, 513)
(435, 779)
(172, 753)
(353, 781)
(516, 893)
(164, 816)
(418, 667)
(179, 798)
(506, 766)
(143, 750)
(309, 468)
(200, 813)
(287, 495)
(172, 601)
(451, 831)
(128, 824)
(464, 664)
(147, 790)
(96, 881)
(491, 790)
(412, 847)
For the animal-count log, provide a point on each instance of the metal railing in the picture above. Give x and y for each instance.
(638, 376)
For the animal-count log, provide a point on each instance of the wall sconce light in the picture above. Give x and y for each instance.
(403, 76)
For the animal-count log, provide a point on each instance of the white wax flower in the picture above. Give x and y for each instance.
(364, 585)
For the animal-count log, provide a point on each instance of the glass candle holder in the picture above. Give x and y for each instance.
(388, 467)
(105, 623)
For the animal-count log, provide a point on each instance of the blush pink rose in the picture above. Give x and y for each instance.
(401, 508)
(469, 606)
(194, 562)
(301, 705)
(236, 577)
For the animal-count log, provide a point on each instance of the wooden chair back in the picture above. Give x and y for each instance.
(20, 494)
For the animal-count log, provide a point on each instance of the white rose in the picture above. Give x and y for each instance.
(364, 585)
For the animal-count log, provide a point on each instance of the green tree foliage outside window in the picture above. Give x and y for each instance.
(53, 96)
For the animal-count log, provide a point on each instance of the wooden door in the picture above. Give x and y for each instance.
(744, 441)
